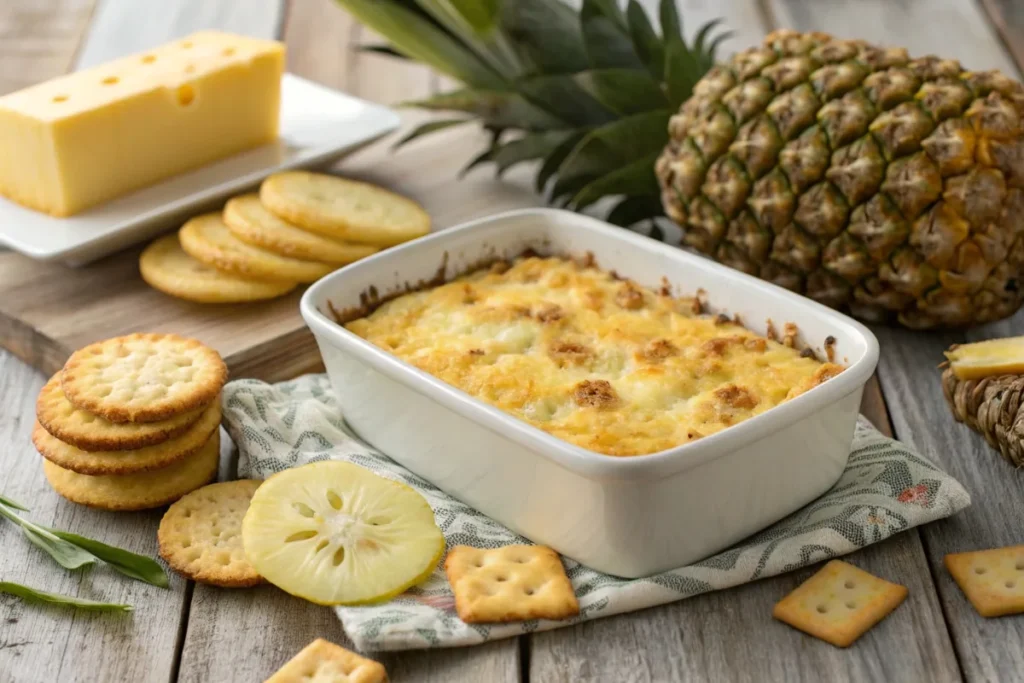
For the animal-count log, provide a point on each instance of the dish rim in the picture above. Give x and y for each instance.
(571, 457)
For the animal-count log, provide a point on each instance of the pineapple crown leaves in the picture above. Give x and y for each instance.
(587, 93)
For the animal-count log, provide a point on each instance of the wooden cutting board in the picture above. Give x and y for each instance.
(49, 310)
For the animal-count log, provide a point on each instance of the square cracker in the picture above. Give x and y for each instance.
(324, 662)
(839, 603)
(993, 580)
(512, 583)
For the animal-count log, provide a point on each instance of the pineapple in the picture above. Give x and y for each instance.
(985, 390)
(987, 358)
(335, 533)
(887, 186)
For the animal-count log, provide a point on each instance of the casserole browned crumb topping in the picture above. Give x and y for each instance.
(599, 362)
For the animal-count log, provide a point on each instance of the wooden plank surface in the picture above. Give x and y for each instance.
(48, 310)
(949, 28)
(219, 621)
(42, 644)
(1007, 17)
(122, 27)
(729, 636)
(724, 635)
(243, 635)
(322, 40)
(53, 644)
(37, 41)
(987, 649)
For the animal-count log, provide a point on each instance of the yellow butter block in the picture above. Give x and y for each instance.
(81, 139)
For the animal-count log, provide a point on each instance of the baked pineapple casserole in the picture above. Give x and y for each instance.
(596, 361)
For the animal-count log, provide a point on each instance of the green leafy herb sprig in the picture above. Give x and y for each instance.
(72, 551)
(27, 593)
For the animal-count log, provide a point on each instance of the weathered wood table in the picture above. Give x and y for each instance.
(195, 633)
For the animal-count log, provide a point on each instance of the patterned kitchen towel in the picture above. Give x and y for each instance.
(886, 489)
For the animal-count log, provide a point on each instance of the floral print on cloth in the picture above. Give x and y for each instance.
(886, 488)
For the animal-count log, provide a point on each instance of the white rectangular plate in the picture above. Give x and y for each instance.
(318, 126)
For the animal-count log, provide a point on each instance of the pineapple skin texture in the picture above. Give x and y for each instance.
(888, 187)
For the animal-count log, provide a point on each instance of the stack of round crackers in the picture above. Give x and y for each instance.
(132, 422)
(300, 227)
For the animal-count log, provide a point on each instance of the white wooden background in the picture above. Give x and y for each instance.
(195, 633)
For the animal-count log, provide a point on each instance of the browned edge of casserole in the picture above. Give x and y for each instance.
(371, 298)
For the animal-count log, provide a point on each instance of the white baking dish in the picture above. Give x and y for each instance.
(625, 516)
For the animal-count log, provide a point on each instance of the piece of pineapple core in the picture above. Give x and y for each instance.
(986, 358)
(81, 139)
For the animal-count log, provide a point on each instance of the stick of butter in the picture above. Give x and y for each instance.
(81, 139)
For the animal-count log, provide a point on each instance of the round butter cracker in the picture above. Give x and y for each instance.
(166, 267)
(143, 377)
(128, 462)
(201, 535)
(251, 222)
(344, 209)
(89, 432)
(140, 491)
(206, 238)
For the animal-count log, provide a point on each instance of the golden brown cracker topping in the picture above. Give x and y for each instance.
(595, 394)
(630, 296)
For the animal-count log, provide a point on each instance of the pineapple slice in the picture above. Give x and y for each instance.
(992, 357)
(335, 533)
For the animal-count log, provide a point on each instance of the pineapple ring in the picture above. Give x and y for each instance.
(335, 533)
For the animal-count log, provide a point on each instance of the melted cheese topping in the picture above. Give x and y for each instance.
(595, 361)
